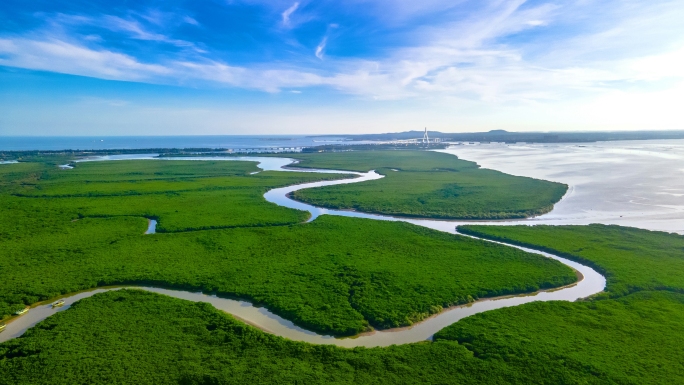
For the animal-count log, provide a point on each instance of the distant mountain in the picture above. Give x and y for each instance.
(389, 136)
(530, 137)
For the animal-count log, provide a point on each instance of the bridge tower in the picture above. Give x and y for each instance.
(426, 139)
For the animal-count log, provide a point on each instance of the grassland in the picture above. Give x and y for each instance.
(429, 184)
(335, 275)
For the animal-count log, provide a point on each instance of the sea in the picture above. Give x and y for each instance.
(234, 142)
(636, 183)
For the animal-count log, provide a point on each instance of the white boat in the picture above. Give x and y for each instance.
(58, 303)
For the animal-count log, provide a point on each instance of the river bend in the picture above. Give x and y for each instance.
(590, 282)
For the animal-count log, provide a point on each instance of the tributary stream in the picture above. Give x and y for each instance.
(590, 282)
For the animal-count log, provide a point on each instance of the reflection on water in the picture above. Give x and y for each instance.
(628, 183)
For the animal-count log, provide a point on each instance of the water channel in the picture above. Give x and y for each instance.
(590, 282)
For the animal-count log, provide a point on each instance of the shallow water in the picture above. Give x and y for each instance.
(591, 282)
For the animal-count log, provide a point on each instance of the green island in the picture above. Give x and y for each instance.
(71, 230)
(428, 184)
(337, 275)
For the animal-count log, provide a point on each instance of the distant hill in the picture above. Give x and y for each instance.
(530, 137)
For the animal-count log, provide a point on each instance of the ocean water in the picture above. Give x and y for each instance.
(627, 183)
(28, 143)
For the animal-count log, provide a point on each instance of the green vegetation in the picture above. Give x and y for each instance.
(327, 276)
(335, 275)
(630, 259)
(362, 161)
(181, 195)
(631, 334)
(134, 337)
(429, 184)
(131, 337)
(635, 339)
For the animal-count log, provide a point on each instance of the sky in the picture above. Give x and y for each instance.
(253, 67)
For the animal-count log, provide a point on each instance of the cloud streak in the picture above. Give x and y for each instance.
(288, 12)
(321, 48)
(64, 57)
(501, 51)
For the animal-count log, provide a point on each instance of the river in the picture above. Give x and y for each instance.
(590, 282)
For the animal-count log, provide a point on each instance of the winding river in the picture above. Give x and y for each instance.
(590, 282)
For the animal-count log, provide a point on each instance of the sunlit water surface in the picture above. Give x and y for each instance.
(627, 183)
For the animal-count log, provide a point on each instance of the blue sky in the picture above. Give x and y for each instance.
(263, 67)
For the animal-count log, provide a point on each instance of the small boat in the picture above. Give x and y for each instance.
(58, 303)
(22, 311)
(2, 327)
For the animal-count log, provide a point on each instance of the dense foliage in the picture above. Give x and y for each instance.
(335, 275)
(133, 337)
(332, 274)
(631, 259)
(636, 339)
(182, 195)
(429, 184)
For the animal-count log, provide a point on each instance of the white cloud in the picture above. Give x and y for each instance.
(463, 59)
(321, 48)
(64, 57)
(129, 26)
(657, 67)
(95, 38)
(288, 12)
(190, 20)
(137, 31)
